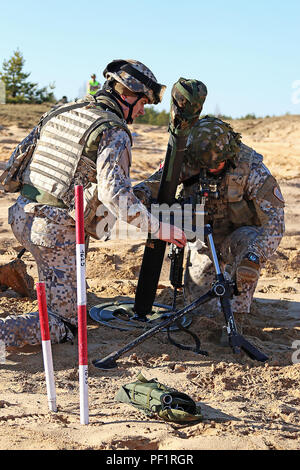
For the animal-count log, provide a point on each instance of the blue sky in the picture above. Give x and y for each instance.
(246, 52)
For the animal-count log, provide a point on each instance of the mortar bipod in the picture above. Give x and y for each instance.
(222, 289)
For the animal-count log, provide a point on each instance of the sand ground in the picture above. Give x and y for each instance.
(245, 404)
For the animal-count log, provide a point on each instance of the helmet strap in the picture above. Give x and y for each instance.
(108, 86)
(130, 106)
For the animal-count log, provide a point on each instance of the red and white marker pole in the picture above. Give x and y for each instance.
(46, 345)
(81, 306)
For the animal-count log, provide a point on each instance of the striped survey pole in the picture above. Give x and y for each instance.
(81, 306)
(46, 345)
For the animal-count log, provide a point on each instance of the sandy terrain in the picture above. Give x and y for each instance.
(246, 405)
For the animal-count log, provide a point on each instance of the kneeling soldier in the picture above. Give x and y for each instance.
(84, 143)
(246, 211)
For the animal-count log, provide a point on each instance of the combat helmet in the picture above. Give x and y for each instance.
(187, 99)
(208, 135)
(136, 77)
(133, 77)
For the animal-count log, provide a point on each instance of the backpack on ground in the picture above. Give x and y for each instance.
(152, 397)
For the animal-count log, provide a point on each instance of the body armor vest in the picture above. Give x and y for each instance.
(231, 209)
(233, 206)
(61, 144)
(236, 178)
(241, 211)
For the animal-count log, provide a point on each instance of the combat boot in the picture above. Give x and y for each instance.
(14, 275)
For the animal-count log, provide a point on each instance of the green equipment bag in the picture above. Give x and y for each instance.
(152, 397)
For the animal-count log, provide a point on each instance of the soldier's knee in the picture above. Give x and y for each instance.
(236, 244)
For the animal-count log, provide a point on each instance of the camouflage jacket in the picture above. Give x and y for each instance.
(107, 186)
(248, 195)
(114, 187)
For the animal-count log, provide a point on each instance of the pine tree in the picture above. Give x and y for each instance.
(18, 88)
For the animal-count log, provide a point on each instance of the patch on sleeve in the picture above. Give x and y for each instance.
(277, 194)
(270, 191)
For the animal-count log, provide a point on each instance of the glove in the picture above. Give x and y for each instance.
(247, 271)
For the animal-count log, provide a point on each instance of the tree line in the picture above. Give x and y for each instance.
(161, 118)
(18, 88)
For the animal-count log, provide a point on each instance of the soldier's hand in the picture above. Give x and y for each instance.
(171, 234)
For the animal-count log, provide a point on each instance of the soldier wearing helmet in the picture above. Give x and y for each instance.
(247, 217)
(246, 211)
(87, 143)
(132, 78)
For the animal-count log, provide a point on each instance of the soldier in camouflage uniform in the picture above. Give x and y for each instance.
(247, 218)
(85, 143)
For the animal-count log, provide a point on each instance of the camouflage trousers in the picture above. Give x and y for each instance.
(200, 272)
(52, 242)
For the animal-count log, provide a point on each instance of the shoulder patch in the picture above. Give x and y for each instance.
(270, 192)
(277, 194)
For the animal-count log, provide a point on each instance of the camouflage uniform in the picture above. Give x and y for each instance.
(48, 232)
(247, 217)
(114, 184)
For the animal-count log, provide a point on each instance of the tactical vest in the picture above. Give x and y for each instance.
(241, 212)
(232, 208)
(61, 145)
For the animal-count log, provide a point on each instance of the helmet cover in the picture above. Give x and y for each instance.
(209, 135)
(136, 77)
(187, 98)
